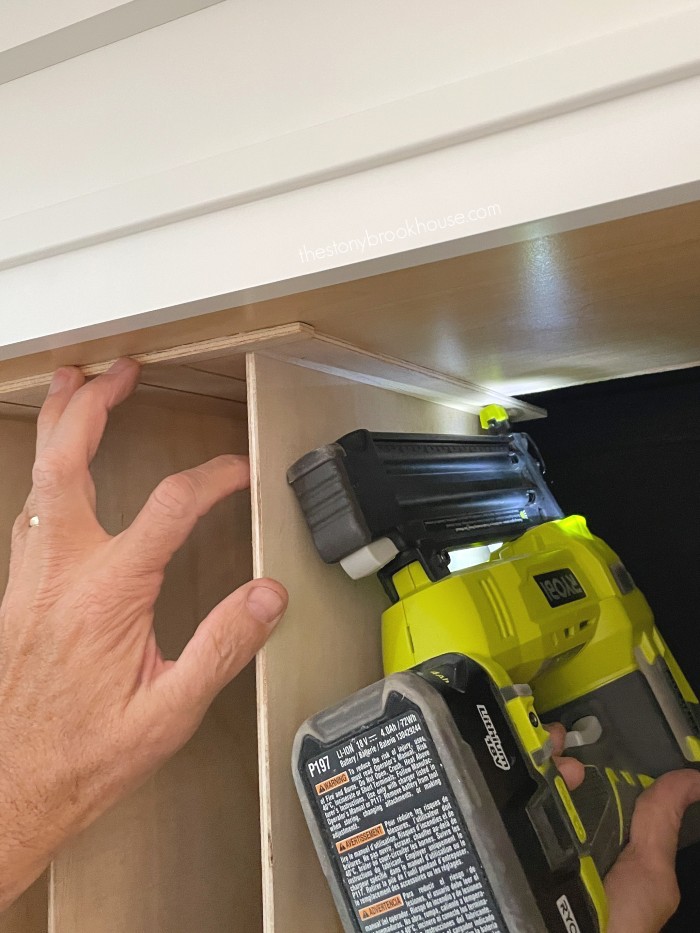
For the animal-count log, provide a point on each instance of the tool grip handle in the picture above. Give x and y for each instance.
(637, 740)
(605, 802)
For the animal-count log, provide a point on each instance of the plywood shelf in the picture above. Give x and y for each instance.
(216, 369)
(549, 309)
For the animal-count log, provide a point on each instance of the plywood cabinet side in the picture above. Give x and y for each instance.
(29, 914)
(182, 853)
(329, 643)
(17, 437)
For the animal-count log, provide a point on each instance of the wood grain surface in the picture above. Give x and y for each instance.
(329, 643)
(182, 853)
(598, 302)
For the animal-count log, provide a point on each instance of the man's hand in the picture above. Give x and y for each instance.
(641, 886)
(88, 706)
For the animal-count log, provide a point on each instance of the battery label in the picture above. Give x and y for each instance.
(405, 856)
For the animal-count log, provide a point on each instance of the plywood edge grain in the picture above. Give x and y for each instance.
(31, 389)
(213, 368)
(266, 853)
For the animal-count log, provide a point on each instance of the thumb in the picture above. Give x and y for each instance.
(641, 886)
(227, 639)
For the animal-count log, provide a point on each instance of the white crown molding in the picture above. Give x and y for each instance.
(569, 79)
(94, 32)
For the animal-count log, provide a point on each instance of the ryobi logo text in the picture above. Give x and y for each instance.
(493, 740)
(567, 915)
(560, 586)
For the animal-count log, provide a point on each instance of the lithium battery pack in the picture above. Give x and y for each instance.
(428, 817)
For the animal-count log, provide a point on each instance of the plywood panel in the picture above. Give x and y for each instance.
(17, 433)
(29, 914)
(329, 643)
(170, 367)
(182, 854)
(598, 302)
(216, 367)
(158, 382)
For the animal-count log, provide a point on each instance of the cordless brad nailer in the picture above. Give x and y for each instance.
(432, 796)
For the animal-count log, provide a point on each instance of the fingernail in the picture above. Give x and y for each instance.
(120, 365)
(265, 605)
(59, 381)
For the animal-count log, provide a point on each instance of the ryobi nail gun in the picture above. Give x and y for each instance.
(432, 797)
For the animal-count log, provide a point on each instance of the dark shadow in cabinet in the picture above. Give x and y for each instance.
(626, 454)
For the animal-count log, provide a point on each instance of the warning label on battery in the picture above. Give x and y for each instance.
(359, 839)
(383, 907)
(405, 855)
(332, 783)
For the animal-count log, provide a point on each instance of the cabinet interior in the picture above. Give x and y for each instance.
(214, 841)
(183, 852)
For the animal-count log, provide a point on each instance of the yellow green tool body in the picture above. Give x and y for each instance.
(497, 614)
(549, 627)
(600, 635)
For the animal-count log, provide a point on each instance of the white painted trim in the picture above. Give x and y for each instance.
(130, 317)
(125, 20)
(601, 163)
(607, 68)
